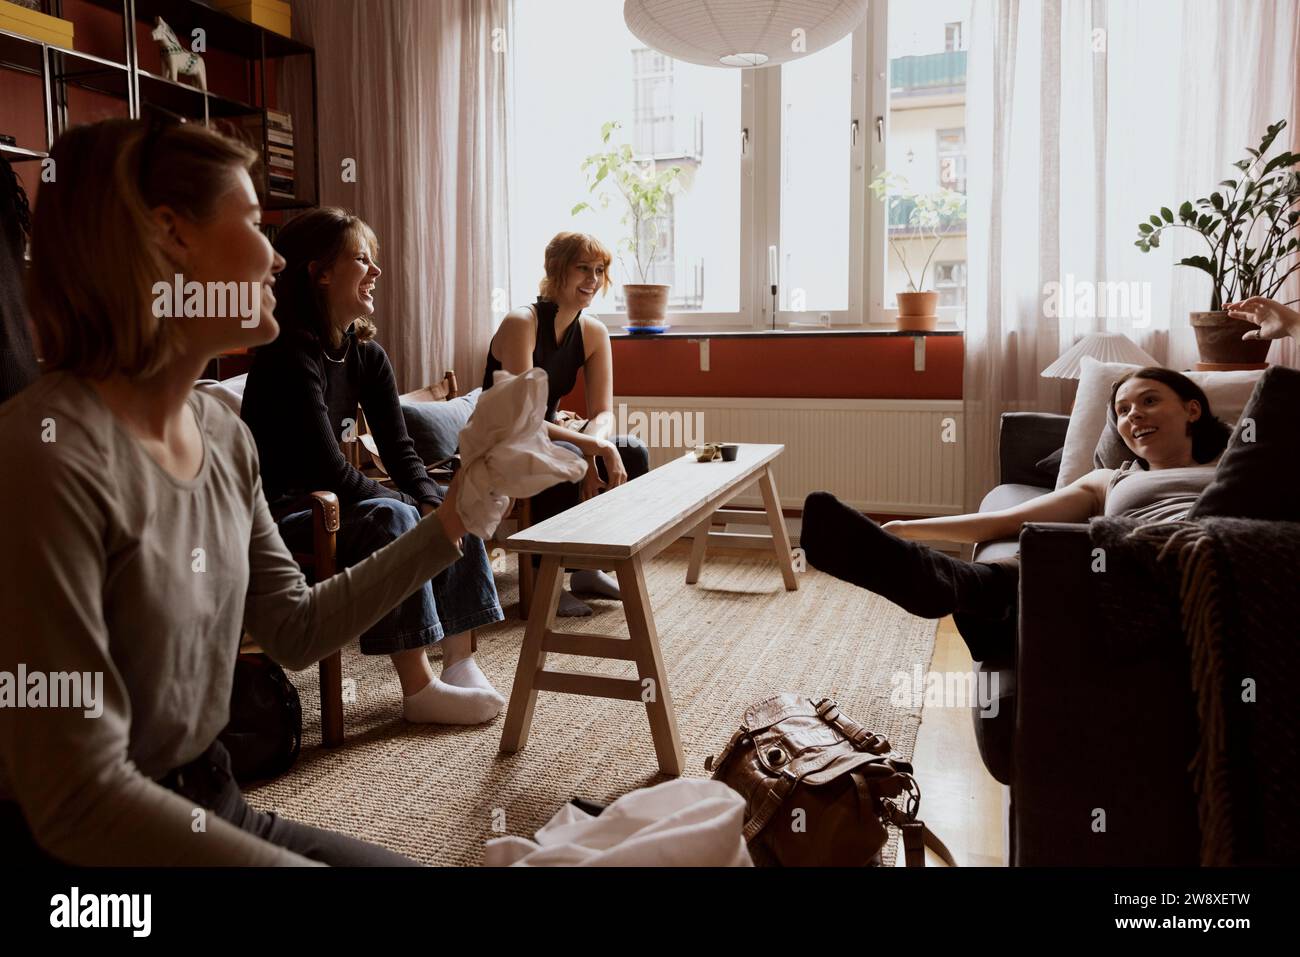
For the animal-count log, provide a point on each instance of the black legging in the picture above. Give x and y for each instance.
(560, 498)
(982, 596)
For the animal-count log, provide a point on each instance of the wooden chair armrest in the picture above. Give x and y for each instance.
(324, 526)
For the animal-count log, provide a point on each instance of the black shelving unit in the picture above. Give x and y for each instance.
(61, 69)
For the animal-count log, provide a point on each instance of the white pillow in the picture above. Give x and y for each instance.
(1228, 393)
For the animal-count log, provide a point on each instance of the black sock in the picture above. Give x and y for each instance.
(843, 542)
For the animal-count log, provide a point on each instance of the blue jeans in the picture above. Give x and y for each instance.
(460, 597)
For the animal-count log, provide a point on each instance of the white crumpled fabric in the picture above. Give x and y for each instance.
(505, 452)
(681, 823)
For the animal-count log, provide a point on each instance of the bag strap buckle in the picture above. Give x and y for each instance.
(861, 739)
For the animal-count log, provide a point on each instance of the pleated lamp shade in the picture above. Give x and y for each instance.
(741, 33)
(1102, 346)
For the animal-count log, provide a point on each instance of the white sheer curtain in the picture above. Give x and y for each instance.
(1083, 118)
(414, 92)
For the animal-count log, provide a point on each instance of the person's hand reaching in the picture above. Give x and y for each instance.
(1273, 318)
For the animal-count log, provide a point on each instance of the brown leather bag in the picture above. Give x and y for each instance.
(819, 788)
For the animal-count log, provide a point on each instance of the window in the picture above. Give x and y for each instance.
(774, 158)
(814, 246)
(926, 151)
(952, 37)
(575, 67)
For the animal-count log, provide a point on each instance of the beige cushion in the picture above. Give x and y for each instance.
(1228, 393)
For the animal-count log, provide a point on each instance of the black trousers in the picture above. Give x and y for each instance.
(562, 497)
(207, 782)
(993, 639)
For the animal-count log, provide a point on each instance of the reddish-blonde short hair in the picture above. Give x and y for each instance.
(565, 250)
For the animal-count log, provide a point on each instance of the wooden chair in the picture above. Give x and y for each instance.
(322, 561)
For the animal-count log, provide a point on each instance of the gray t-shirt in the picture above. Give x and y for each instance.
(1162, 495)
(110, 565)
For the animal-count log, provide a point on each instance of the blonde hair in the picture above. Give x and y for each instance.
(565, 250)
(95, 254)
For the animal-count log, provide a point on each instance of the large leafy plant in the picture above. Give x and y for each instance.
(1249, 227)
(645, 190)
(928, 218)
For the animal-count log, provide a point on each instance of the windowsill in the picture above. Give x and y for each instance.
(686, 333)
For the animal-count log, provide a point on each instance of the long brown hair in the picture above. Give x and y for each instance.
(1209, 435)
(317, 237)
(95, 249)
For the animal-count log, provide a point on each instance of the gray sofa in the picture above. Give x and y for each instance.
(1072, 737)
(1025, 439)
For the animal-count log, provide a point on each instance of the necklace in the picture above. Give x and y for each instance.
(326, 354)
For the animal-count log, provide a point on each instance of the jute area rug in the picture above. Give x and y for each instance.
(437, 794)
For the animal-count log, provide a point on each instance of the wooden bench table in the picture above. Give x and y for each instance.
(620, 530)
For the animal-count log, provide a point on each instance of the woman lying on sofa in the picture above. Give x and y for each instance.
(301, 398)
(1163, 417)
(138, 543)
(554, 335)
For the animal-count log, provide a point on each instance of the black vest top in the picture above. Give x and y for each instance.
(561, 360)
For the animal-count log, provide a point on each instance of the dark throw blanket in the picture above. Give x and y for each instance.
(1231, 587)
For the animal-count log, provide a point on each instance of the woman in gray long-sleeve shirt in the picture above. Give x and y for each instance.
(138, 543)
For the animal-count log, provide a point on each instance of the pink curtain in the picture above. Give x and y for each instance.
(1084, 116)
(411, 100)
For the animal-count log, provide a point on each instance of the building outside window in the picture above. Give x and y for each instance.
(927, 139)
(952, 36)
(950, 284)
(952, 159)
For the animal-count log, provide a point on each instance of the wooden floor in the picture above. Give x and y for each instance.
(960, 801)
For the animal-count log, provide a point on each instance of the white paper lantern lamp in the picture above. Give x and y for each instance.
(741, 33)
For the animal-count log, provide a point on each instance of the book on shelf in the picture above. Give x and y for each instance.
(281, 166)
(279, 138)
(275, 149)
(279, 118)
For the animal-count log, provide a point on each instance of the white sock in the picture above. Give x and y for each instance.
(467, 674)
(441, 703)
(589, 581)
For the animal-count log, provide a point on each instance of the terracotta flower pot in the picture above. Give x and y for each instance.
(917, 311)
(647, 303)
(1218, 338)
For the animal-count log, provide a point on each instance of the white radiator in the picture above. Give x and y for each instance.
(892, 456)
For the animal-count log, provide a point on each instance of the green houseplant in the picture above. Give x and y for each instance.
(927, 219)
(1250, 232)
(646, 191)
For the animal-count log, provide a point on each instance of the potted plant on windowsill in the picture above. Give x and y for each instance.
(1250, 232)
(926, 218)
(645, 190)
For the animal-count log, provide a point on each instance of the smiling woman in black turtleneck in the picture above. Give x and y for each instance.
(301, 399)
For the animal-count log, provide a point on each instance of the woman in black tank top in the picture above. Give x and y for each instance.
(553, 335)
